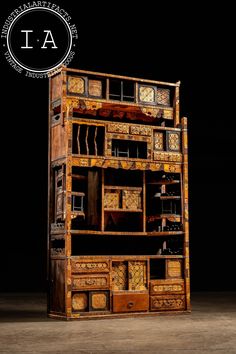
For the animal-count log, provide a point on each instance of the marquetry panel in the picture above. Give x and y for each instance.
(147, 94)
(90, 266)
(173, 141)
(170, 286)
(111, 200)
(118, 128)
(137, 275)
(165, 156)
(76, 85)
(173, 268)
(79, 302)
(140, 130)
(99, 301)
(92, 281)
(158, 141)
(95, 88)
(163, 97)
(131, 199)
(167, 302)
(119, 275)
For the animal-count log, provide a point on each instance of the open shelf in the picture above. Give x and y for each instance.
(165, 182)
(120, 233)
(124, 210)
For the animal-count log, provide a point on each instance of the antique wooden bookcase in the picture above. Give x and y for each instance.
(118, 234)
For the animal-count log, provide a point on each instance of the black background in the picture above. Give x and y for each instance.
(161, 42)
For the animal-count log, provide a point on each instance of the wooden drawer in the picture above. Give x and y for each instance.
(90, 266)
(91, 281)
(170, 286)
(127, 302)
(167, 302)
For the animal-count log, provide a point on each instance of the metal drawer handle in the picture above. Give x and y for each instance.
(130, 304)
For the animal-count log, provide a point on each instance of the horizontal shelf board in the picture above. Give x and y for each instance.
(165, 182)
(125, 210)
(125, 257)
(169, 197)
(123, 188)
(77, 213)
(123, 233)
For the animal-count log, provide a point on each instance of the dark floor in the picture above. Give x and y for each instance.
(210, 328)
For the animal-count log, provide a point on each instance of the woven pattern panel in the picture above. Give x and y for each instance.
(119, 275)
(163, 97)
(137, 275)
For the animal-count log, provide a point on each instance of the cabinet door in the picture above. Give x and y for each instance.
(137, 279)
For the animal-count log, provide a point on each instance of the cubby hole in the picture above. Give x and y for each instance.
(121, 90)
(157, 269)
(129, 149)
(88, 140)
(120, 177)
(94, 245)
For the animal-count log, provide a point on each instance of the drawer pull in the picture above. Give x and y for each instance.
(130, 304)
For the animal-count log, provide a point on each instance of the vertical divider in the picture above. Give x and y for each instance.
(144, 201)
(102, 202)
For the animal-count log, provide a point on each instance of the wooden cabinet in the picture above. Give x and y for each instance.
(118, 235)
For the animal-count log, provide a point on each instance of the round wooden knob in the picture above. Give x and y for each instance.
(130, 304)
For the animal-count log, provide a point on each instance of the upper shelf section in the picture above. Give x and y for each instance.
(114, 96)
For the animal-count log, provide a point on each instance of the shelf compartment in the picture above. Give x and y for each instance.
(124, 210)
(165, 182)
(123, 233)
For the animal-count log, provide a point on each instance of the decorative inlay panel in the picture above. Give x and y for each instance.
(137, 275)
(90, 266)
(140, 130)
(170, 286)
(173, 268)
(95, 88)
(173, 141)
(76, 85)
(166, 156)
(79, 302)
(158, 141)
(99, 301)
(119, 275)
(163, 97)
(167, 302)
(90, 282)
(147, 94)
(118, 128)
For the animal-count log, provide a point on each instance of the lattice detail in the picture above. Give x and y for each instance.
(173, 141)
(118, 128)
(131, 199)
(140, 130)
(76, 85)
(137, 275)
(158, 141)
(111, 200)
(163, 97)
(119, 276)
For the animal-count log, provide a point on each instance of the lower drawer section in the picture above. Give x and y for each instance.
(169, 286)
(91, 301)
(126, 302)
(167, 302)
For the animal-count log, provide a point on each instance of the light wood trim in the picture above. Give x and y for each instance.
(102, 201)
(144, 201)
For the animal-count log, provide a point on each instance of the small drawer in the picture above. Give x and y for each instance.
(90, 266)
(92, 281)
(167, 302)
(130, 302)
(170, 286)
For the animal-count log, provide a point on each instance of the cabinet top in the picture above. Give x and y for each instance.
(121, 77)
